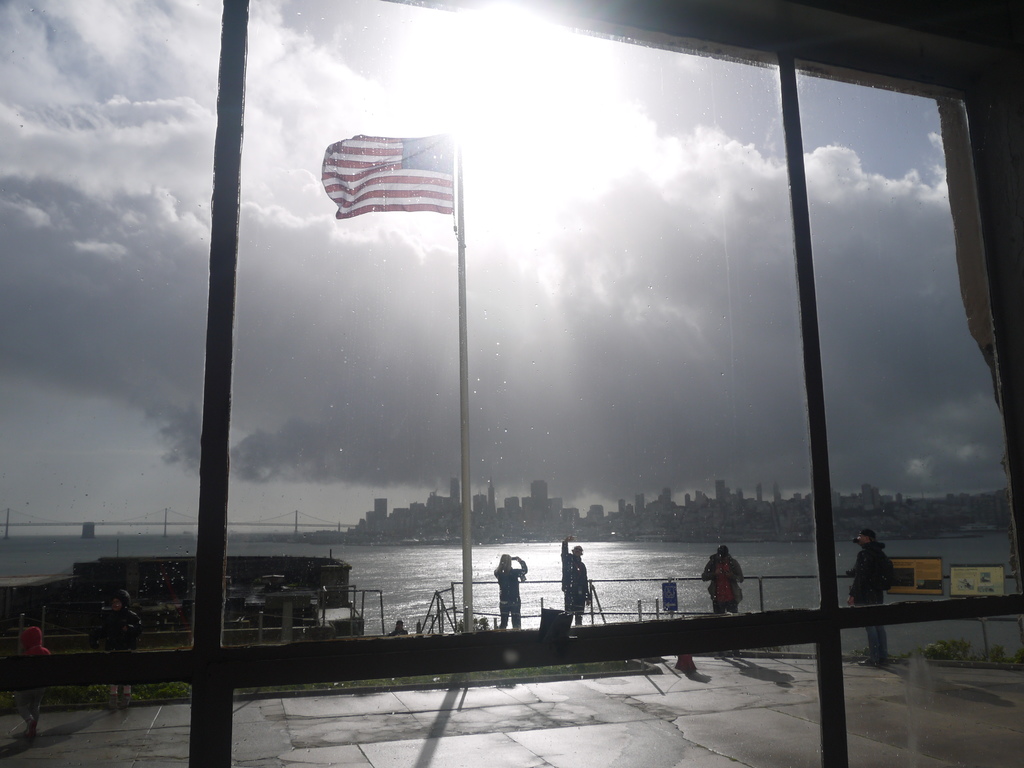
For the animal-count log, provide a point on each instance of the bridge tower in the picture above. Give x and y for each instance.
(88, 530)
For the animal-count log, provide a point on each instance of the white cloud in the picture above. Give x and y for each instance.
(28, 210)
(112, 251)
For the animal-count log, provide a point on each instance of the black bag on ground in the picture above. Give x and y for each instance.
(554, 625)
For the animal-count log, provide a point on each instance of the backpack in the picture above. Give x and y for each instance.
(882, 574)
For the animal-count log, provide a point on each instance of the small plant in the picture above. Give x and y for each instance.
(949, 650)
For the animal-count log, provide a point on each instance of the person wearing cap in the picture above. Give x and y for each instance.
(724, 573)
(119, 628)
(575, 583)
(399, 629)
(866, 573)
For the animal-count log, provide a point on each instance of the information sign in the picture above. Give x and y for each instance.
(669, 599)
(976, 580)
(916, 576)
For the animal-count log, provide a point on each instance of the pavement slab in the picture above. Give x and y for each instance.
(369, 729)
(341, 705)
(494, 750)
(758, 738)
(463, 698)
(349, 755)
(652, 744)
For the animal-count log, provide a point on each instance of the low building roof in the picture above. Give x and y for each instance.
(37, 580)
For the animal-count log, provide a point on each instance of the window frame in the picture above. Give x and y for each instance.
(797, 36)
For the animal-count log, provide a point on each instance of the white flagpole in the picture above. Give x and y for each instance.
(467, 528)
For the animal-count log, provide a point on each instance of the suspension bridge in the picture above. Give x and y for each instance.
(286, 521)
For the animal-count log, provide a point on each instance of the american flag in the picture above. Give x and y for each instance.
(370, 173)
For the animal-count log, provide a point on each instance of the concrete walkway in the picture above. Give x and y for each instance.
(733, 712)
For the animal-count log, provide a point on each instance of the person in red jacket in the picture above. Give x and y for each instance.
(29, 702)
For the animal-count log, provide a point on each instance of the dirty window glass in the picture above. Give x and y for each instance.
(633, 356)
(915, 440)
(105, 177)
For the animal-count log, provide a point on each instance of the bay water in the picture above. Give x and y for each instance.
(628, 576)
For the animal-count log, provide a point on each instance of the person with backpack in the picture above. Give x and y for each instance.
(724, 573)
(872, 576)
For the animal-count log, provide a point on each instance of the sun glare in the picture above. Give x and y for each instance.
(523, 96)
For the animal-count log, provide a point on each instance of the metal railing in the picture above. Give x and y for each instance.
(445, 607)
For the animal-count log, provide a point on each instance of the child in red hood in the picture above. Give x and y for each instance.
(28, 702)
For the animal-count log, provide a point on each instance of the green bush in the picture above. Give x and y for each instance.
(73, 695)
(949, 650)
(961, 650)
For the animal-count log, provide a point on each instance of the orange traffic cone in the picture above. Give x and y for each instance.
(685, 663)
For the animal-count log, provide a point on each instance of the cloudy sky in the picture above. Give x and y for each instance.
(631, 301)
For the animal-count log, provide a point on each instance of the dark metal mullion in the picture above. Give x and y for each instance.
(830, 676)
(210, 732)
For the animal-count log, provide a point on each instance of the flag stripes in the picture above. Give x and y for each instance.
(365, 174)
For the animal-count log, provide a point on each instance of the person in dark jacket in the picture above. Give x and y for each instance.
(399, 629)
(575, 583)
(119, 628)
(28, 702)
(509, 601)
(724, 573)
(864, 590)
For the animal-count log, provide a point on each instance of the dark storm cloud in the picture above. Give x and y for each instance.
(180, 430)
(346, 367)
(124, 304)
(910, 398)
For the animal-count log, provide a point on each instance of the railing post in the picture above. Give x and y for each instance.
(259, 624)
(657, 609)
(639, 610)
(984, 637)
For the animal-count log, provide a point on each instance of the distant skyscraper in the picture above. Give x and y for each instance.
(639, 504)
(490, 496)
(539, 493)
(866, 496)
(454, 491)
(380, 507)
(721, 492)
(758, 493)
(776, 496)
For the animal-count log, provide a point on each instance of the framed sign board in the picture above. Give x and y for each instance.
(669, 598)
(976, 580)
(917, 576)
